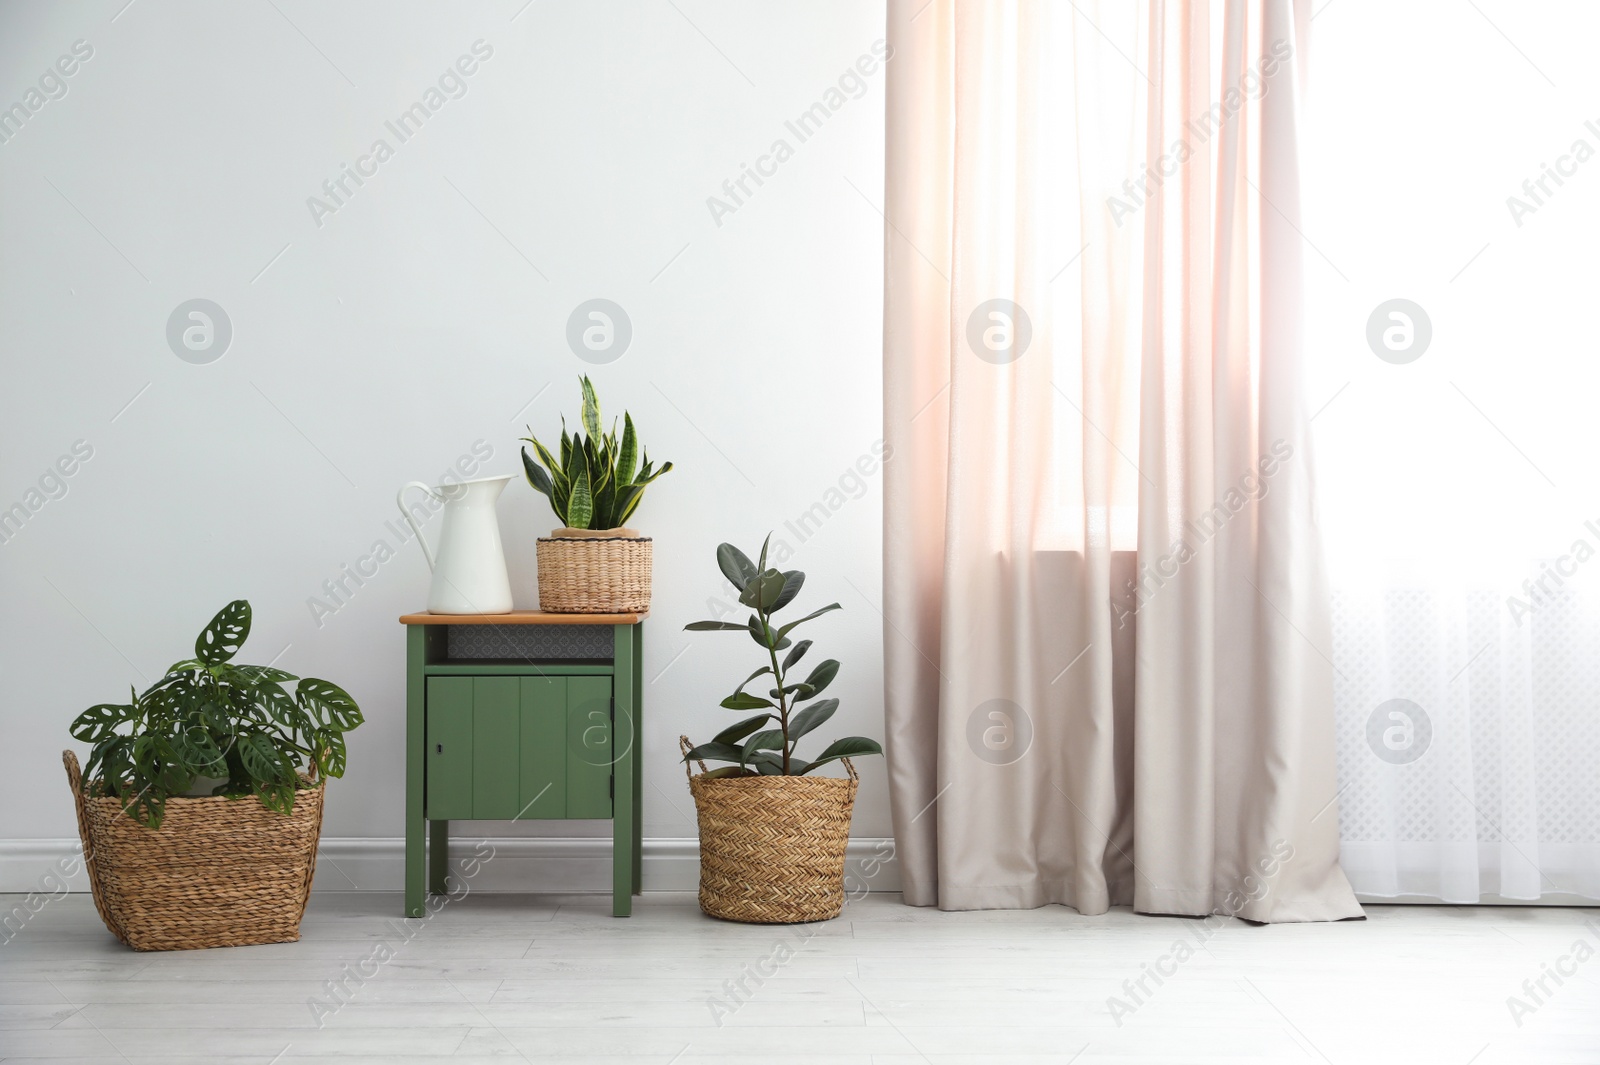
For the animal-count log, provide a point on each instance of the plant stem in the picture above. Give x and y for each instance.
(783, 708)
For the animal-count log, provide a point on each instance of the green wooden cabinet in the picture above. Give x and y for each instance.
(505, 723)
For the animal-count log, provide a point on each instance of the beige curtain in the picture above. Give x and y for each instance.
(1107, 625)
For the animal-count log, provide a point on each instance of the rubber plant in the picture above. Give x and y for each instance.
(212, 717)
(597, 482)
(753, 748)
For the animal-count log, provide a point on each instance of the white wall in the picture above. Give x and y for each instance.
(421, 316)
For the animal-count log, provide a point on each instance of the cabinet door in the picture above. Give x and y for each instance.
(496, 747)
(544, 747)
(589, 753)
(449, 782)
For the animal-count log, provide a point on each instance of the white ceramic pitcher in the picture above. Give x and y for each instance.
(469, 570)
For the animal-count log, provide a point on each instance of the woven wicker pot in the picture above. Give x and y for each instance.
(217, 873)
(772, 848)
(584, 571)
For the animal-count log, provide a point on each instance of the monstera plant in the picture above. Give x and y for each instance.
(211, 717)
(598, 482)
(764, 745)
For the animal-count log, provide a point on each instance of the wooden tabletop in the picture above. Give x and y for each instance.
(523, 617)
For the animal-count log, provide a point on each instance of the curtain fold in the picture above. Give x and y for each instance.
(1107, 634)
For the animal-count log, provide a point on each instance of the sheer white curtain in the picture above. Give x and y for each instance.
(1454, 163)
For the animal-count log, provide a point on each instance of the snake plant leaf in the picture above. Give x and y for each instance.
(792, 580)
(99, 722)
(735, 565)
(605, 503)
(822, 676)
(762, 592)
(591, 408)
(796, 654)
(734, 733)
(645, 478)
(714, 626)
(770, 740)
(539, 479)
(746, 701)
(584, 446)
(220, 640)
(811, 717)
(328, 703)
(628, 498)
(849, 747)
(567, 447)
(720, 752)
(628, 457)
(581, 507)
(814, 614)
(557, 469)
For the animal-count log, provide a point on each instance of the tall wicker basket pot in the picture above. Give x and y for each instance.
(217, 873)
(772, 848)
(588, 571)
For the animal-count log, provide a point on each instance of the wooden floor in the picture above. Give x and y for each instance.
(553, 978)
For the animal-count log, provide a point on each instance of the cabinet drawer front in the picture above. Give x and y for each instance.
(544, 747)
(449, 781)
(589, 747)
(496, 747)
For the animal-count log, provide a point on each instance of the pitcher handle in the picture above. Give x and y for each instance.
(400, 501)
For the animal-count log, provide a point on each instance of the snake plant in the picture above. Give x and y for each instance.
(597, 483)
(210, 717)
(754, 749)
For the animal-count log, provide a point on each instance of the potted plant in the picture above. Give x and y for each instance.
(201, 804)
(772, 837)
(593, 564)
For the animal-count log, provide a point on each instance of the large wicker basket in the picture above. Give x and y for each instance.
(217, 873)
(772, 848)
(594, 574)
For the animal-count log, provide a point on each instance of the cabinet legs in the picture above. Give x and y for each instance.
(438, 856)
(415, 870)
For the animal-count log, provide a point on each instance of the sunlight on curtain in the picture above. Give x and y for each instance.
(1453, 163)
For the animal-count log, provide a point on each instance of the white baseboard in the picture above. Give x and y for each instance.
(504, 864)
(544, 865)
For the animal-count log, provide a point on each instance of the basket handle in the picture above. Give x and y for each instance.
(74, 774)
(685, 747)
(851, 769)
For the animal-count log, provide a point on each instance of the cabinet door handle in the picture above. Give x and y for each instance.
(438, 748)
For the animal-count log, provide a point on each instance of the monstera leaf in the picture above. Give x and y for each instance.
(221, 639)
(212, 717)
